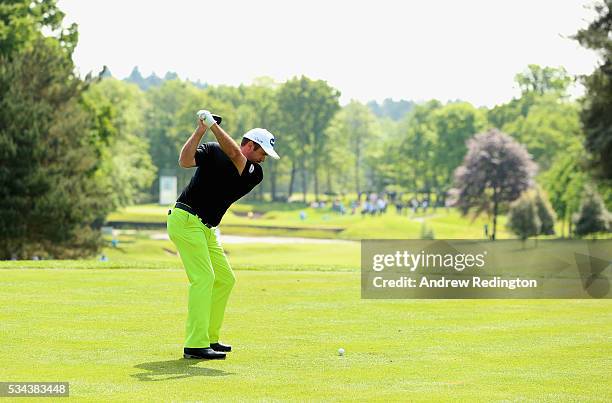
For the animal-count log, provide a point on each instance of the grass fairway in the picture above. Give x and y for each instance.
(138, 251)
(284, 220)
(116, 334)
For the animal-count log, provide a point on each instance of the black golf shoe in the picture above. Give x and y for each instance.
(225, 348)
(202, 354)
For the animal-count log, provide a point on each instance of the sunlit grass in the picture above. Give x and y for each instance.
(116, 335)
(272, 219)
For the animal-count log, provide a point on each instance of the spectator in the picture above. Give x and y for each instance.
(366, 208)
(381, 206)
(415, 205)
(338, 206)
(398, 207)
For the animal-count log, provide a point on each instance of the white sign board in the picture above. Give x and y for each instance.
(167, 189)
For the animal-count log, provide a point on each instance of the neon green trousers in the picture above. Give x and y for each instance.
(211, 278)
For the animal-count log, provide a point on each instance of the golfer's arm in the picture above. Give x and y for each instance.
(187, 156)
(229, 147)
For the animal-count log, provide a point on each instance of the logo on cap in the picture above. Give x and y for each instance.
(272, 142)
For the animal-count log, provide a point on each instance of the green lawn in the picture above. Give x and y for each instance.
(137, 250)
(117, 334)
(114, 330)
(284, 220)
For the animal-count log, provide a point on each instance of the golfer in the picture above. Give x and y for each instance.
(225, 172)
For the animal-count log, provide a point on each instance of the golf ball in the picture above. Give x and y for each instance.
(340, 351)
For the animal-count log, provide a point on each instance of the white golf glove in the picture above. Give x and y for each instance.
(207, 117)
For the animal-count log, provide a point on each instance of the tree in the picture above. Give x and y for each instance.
(545, 212)
(49, 167)
(454, 124)
(164, 104)
(593, 216)
(500, 115)
(535, 83)
(596, 113)
(389, 108)
(49, 148)
(136, 77)
(126, 161)
(523, 217)
(261, 98)
(543, 119)
(564, 182)
(307, 106)
(496, 169)
(383, 160)
(153, 80)
(23, 21)
(531, 215)
(543, 80)
(551, 126)
(350, 133)
(416, 148)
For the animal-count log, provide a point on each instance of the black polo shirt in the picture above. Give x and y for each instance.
(217, 184)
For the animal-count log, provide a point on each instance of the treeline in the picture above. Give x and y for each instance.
(328, 149)
(363, 151)
(331, 150)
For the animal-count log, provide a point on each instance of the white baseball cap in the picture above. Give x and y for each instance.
(264, 138)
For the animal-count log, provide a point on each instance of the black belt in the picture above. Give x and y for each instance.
(188, 209)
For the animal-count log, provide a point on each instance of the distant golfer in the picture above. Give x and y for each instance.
(225, 173)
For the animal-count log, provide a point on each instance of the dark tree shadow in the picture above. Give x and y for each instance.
(174, 369)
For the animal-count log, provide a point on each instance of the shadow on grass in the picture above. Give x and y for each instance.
(174, 369)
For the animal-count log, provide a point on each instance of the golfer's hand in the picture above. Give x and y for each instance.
(201, 126)
(206, 117)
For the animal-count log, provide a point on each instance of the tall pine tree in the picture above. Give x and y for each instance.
(51, 202)
(597, 105)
